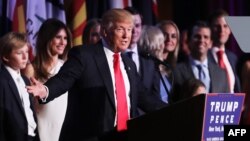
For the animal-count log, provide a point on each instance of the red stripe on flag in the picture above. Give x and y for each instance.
(77, 5)
(125, 3)
(79, 20)
(31, 55)
(18, 17)
(78, 31)
(15, 17)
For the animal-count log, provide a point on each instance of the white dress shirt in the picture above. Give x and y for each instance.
(135, 57)
(24, 96)
(205, 72)
(109, 54)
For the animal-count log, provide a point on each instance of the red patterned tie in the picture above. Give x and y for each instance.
(222, 64)
(122, 108)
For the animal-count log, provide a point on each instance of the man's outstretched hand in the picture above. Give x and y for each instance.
(37, 89)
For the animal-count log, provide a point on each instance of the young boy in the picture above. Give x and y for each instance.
(17, 119)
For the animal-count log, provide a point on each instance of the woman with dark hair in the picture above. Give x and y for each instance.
(193, 87)
(52, 45)
(91, 32)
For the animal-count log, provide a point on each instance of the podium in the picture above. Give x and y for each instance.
(182, 121)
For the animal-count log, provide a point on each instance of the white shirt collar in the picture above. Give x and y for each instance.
(134, 49)
(14, 73)
(197, 62)
(216, 49)
(109, 54)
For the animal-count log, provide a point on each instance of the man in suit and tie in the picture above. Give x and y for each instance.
(146, 67)
(219, 53)
(17, 117)
(198, 66)
(102, 85)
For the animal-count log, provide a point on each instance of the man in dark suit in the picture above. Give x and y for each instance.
(89, 76)
(145, 66)
(198, 66)
(17, 117)
(220, 34)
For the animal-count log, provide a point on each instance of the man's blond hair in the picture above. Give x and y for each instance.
(115, 15)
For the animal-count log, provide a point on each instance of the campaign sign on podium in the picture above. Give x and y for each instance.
(221, 109)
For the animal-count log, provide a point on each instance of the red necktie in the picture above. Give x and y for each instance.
(222, 65)
(122, 108)
(220, 59)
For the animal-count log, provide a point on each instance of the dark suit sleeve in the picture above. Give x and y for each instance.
(68, 74)
(178, 80)
(148, 102)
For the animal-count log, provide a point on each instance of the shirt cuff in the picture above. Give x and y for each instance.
(47, 94)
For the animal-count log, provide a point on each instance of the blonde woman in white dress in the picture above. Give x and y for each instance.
(52, 46)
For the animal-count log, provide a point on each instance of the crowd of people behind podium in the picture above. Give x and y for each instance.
(70, 90)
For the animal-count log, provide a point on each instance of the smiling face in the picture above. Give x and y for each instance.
(120, 36)
(18, 58)
(221, 31)
(171, 38)
(58, 43)
(200, 41)
(137, 29)
(116, 29)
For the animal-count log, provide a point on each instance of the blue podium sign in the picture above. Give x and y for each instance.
(221, 109)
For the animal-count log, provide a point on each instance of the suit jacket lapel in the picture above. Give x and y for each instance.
(130, 77)
(15, 93)
(213, 76)
(104, 70)
(13, 88)
(188, 72)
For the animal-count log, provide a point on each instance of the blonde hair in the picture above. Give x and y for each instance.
(11, 41)
(172, 56)
(115, 15)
